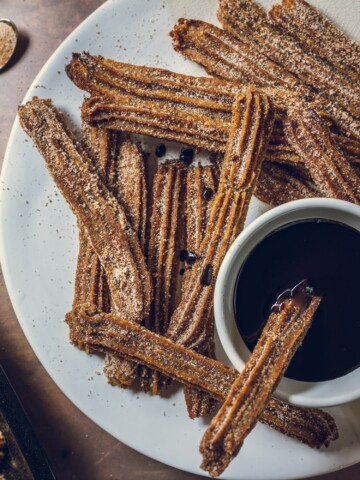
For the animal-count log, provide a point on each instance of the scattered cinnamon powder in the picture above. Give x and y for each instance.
(7, 42)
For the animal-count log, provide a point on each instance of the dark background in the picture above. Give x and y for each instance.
(76, 447)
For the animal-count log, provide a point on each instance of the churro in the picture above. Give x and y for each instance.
(320, 35)
(197, 95)
(200, 191)
(340, 95)
(149, 117)
(329, 169)
(165, 242)
(128, 183)
(237, 61)
(277, 184)
(283, 333)
(97, 210)
(250, 131)
(110, 333)
(226, 57)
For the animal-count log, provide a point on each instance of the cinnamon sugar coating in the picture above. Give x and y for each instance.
(166, 239)
(329, 169)
(74, 172)
(251, 390)
(277, 185)
(313, 30)
(128, 182)
(199, 180)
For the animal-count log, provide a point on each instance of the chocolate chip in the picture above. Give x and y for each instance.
(207, 193)
(183, 255)
(187, 155)
(207, 275)
(182, 271)
(160, 150)
(191, 258)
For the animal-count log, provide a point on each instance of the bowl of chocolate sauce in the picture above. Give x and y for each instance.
(317, 240)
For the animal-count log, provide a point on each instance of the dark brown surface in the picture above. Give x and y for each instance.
(76, 447)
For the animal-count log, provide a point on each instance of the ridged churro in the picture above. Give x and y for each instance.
(283, 333)
(128, 182)
(250, 131)
(197, 95)
(277, 184)
(320, 35)
(226, 57)
(116, 244)
(149, 117)
(110, 333)
(200, 191)
(166, 236)
(340, 95)
(329, 169)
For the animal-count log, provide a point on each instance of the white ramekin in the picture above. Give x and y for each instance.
(309, 394)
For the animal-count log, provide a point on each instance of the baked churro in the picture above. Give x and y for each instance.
(283, 333)
(165, 242)
(320, 35)
(329, 169)
(250, 131)
(110, 333)
(116, 244)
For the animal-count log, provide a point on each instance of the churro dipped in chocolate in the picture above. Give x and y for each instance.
(165, 241)
(200, 191)
(248, 139)
(111, 235)
(278, 184)
(283, 333)
(312, 29)
(340, 95)
(329, 169)
(110, 333)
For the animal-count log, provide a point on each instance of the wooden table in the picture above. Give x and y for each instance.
(75, 446)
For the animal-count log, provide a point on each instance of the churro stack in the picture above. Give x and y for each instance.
(279, 118)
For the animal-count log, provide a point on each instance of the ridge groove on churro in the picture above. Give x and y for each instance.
(110, 333)
(165, 241)
(75, 175)
(250, 131)
(329, 169)
(283, 333)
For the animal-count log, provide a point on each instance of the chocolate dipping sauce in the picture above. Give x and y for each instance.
(327, 254)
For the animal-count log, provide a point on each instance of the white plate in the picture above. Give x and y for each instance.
(39, 249)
